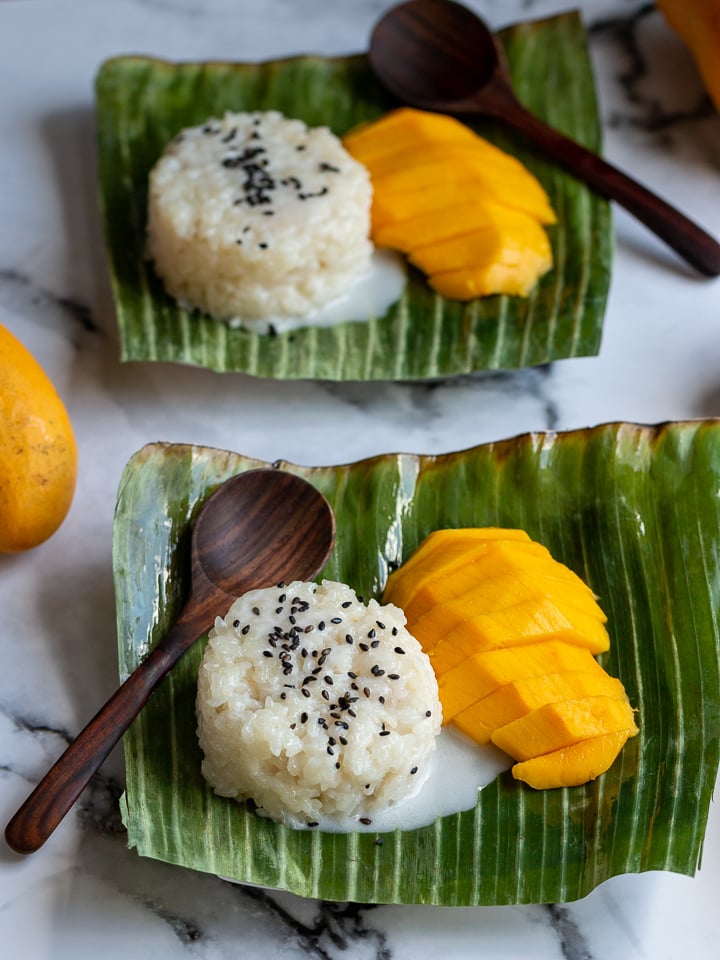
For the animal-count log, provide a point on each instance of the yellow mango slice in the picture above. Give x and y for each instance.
(516, 699)
(573, 765)
(439, 556)
(550, 604)
(451, 636)
(561, 724)
(526, 568)
(390, 208)
(507, 240)
(481, 674)
(428, 229)
(402, 128)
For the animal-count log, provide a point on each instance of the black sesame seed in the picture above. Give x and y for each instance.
(337, 764)
(303, 717)
(393, 676)
(325, 695)
(300, 146)
(328, 168)
(371, 633)
(245, 630)
(366, 691)
(366, 820)
(375, 644)
(267, 653)
(332, 741)
(256, 611)
(364, 646)
(413, 771)
(283, 696)
(321, 625)
(348, 638)
(348, 603)
(377, 671)
(303, 652)
(305, 692)
(399, 650)
(343, 741)
(428, 713)
(313, 823)
(309, 628)
(381, 699)
(379, 842)
(351, 713)
(394, 631)
(329, 680)
(336, 620)
(264, 246)
(384, 733)
(236, 623)
(353, 676)
(330, 751)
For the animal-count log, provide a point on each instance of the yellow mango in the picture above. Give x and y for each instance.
(452, 636)
(508, 239)
(526, 567)
(428, 229)
(402, 128)
(439, 556)
(491, 279)
(38, 453)
(483, 673)
(434, 181)
(573, 765)
(518, 698)
(389, 208)
(562, 605)
(561, 724)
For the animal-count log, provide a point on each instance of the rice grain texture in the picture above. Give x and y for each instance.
(315, 705)
(255, 216)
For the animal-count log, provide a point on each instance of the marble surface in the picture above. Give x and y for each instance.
(86, 895)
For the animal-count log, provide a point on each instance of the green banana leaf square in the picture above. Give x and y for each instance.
(632, 509)
(142, 103)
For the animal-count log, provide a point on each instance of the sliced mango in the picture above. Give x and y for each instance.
(478, 676)
(561, 724)
(574, 765)
(520, 697)
(435, 181)
(526, 569)
(452, 638)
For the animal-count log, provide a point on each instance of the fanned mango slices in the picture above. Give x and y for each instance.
(467, 214)
(512, 634)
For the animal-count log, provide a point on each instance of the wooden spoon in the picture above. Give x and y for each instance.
(438, 55)
(257, 529)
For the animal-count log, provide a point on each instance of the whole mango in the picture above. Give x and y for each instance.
(38, 453)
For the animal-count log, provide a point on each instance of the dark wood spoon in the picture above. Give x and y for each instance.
(257, 529)
(438, 55)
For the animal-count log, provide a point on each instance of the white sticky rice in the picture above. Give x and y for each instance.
(315, 706)
(256, 215)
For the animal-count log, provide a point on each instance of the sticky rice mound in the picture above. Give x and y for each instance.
(255, 216)
(315, 705)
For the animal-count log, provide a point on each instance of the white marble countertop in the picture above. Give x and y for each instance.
(85, 894)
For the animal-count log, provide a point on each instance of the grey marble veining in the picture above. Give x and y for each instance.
(86, 895)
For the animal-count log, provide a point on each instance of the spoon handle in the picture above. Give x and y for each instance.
(696, 246)
(52, 798)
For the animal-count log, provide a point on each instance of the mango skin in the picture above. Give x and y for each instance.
(38, 452)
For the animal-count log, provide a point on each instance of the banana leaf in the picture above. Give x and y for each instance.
(143, 102)
(632, 509)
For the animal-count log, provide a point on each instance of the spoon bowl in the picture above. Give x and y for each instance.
(257, 529)
(438, 55)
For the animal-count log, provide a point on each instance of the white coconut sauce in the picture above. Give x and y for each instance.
(371, 296)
